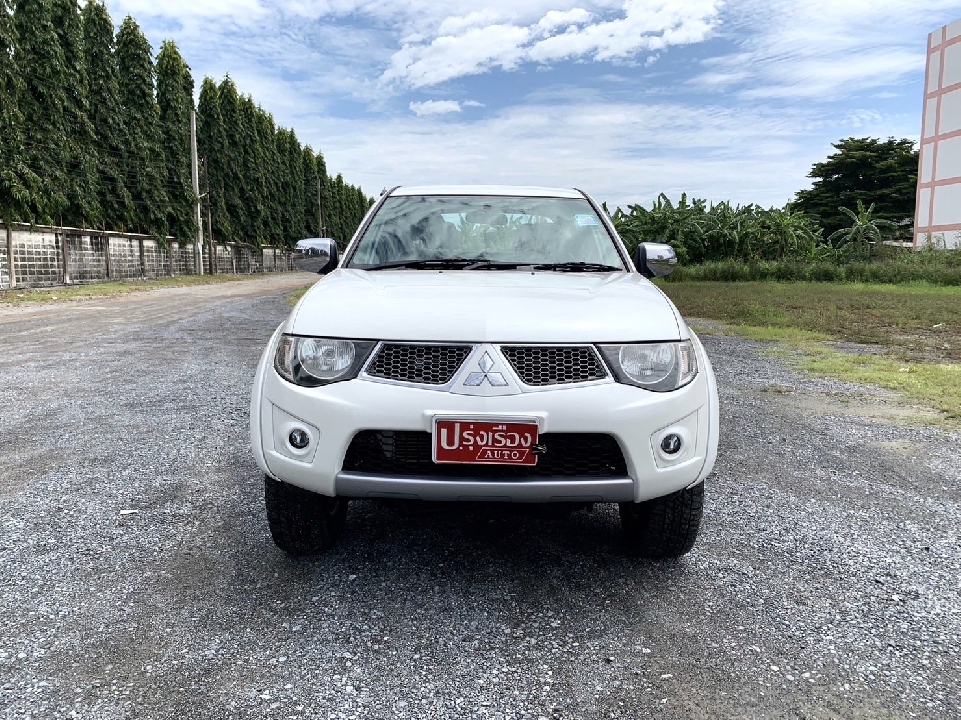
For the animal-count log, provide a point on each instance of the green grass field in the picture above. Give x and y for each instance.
(918, 325)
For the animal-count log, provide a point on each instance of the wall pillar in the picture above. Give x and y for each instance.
(106, 250)
(65, 257)
(11, 270)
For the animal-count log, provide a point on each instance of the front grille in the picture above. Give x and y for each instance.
(540, 365)
(424, 364)
(407, 453)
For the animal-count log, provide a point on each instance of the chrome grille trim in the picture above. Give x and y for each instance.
(551, 365)
(432, 364)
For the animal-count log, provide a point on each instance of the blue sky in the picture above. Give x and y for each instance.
(725, 100)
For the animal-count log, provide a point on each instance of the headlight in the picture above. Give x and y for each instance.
(319, 361)
(660, 367)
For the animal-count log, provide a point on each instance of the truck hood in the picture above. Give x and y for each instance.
(486, 306)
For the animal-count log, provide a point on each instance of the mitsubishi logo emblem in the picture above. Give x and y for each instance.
(494, 379)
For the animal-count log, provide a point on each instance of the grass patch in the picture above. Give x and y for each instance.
(295, 296)
(77, 292)
(936, 385)
(919, 324)
(940, 267)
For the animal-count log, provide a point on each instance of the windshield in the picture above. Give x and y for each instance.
(482, 232)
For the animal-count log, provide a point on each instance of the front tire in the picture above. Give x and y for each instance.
(302, 522)
(665, 527)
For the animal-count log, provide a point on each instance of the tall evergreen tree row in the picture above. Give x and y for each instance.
(95, 133)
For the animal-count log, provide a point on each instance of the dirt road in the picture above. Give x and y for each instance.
(138, 579)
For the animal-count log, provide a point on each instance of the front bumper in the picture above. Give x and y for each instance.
(636, 418)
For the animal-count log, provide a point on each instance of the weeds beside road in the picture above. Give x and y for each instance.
(914, 330)
(107, 289)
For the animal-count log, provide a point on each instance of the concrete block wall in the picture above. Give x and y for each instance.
(86, 257)
(45, 256)
(39, 261)
(4, 261)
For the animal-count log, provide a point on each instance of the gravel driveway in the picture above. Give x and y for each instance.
(138, 579)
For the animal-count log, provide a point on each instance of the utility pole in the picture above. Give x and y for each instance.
(195, 177)
(210, 223)
(321, 230)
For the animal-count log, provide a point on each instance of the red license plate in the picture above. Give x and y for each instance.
(484, 442)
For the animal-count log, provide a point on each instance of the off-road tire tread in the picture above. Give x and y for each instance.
(302, 522)
(665, 527)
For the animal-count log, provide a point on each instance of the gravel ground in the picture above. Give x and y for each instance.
(138, 579)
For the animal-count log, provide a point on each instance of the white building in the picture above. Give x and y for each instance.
(939, 180)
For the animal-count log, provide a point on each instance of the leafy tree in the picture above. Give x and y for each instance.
(232, 161)
(866, 170)
(292, 209)
(311, 177)
(17, 181)
(271, 171)
(211, 143)
(106, 115)
(83, 207)
(252, 191)
(175, 90)
(865, 228)
(144, 159)
(41, 100)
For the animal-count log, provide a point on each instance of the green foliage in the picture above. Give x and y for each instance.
(93, 133)
(41, 100)
(175, 90)
(865, 170)
(105, 114)
(263, 183)
(701, 232)
(865, 229)
(83, 206)
(144, 164)
(17, 181)
(937, 267)
(212, 144)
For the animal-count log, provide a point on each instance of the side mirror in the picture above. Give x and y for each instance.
(653, 260)
(319, 255)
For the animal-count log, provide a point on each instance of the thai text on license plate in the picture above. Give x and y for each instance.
(485, 442)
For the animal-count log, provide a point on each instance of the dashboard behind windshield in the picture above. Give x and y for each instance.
(521, 230)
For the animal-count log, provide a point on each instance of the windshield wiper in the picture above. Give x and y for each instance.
(433, 264)
(578, 267)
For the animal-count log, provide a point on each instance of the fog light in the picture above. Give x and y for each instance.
(298, 439)
(671, 444)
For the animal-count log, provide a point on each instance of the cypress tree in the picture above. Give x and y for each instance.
(308, 165)
(295, 182)
(17, 182)
(83, 208)
(41, 100)
(175, 90)
(211, 143)
(232, 162)
(144, 160)
(339, 209)
(106, 117)
(272, 177)
(252, 191)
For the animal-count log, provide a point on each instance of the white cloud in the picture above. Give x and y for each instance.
(554, 19)
(435, 107)
(747, 155)
(823, 50)
(470, 47)
(241, 10)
